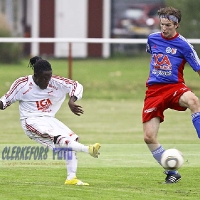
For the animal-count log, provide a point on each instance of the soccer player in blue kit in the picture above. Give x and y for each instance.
(165, 84)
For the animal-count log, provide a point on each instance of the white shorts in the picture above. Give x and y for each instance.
(44, 129)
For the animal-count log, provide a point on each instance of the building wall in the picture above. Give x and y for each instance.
(82, 19)
(95, 26)
(60, 19)
(47, 25)
(71, 22)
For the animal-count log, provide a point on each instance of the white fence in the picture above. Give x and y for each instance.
(82, 40)
(106, 41)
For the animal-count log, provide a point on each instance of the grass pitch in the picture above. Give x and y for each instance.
(112, 101)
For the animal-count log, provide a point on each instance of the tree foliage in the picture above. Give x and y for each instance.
(9, 52)
(190, 21)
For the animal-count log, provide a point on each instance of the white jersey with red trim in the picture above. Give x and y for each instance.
(35, 102)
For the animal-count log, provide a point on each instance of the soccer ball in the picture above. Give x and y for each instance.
(172, 159)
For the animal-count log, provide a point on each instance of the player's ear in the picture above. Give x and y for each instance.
(176, 25)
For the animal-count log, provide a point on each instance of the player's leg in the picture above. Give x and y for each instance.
(69, 156)
(72, 164)
(66, 137)
(152, 116)
(65, 142)
(59, 133)
(191, 101)
(151, 128)
(42, 130)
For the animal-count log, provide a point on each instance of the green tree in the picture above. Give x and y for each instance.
(190, 22)
(9, 52)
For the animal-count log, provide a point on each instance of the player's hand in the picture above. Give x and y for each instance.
(76, 109)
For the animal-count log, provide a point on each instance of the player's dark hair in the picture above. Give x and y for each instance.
(167, 11)
(39, 65)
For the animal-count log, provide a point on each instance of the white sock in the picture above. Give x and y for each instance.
(76, 146)
(71, 163)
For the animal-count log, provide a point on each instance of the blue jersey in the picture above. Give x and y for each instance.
(169, 57)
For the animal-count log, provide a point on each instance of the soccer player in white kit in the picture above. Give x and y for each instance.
(40, 96)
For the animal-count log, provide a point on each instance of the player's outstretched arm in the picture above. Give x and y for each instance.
(76, 109)
(1, 105)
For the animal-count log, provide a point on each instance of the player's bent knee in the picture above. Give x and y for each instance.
(194, 104)
(55, 139)
(149, 139)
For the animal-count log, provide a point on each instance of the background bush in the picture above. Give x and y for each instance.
(9, 52)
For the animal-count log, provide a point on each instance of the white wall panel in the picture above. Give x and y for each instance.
(71, 22)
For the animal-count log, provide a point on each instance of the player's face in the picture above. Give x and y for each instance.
(168, 28)
(42, 79)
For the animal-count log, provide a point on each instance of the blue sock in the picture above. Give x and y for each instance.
(157, 153)
(171, 172)
(196, 122)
